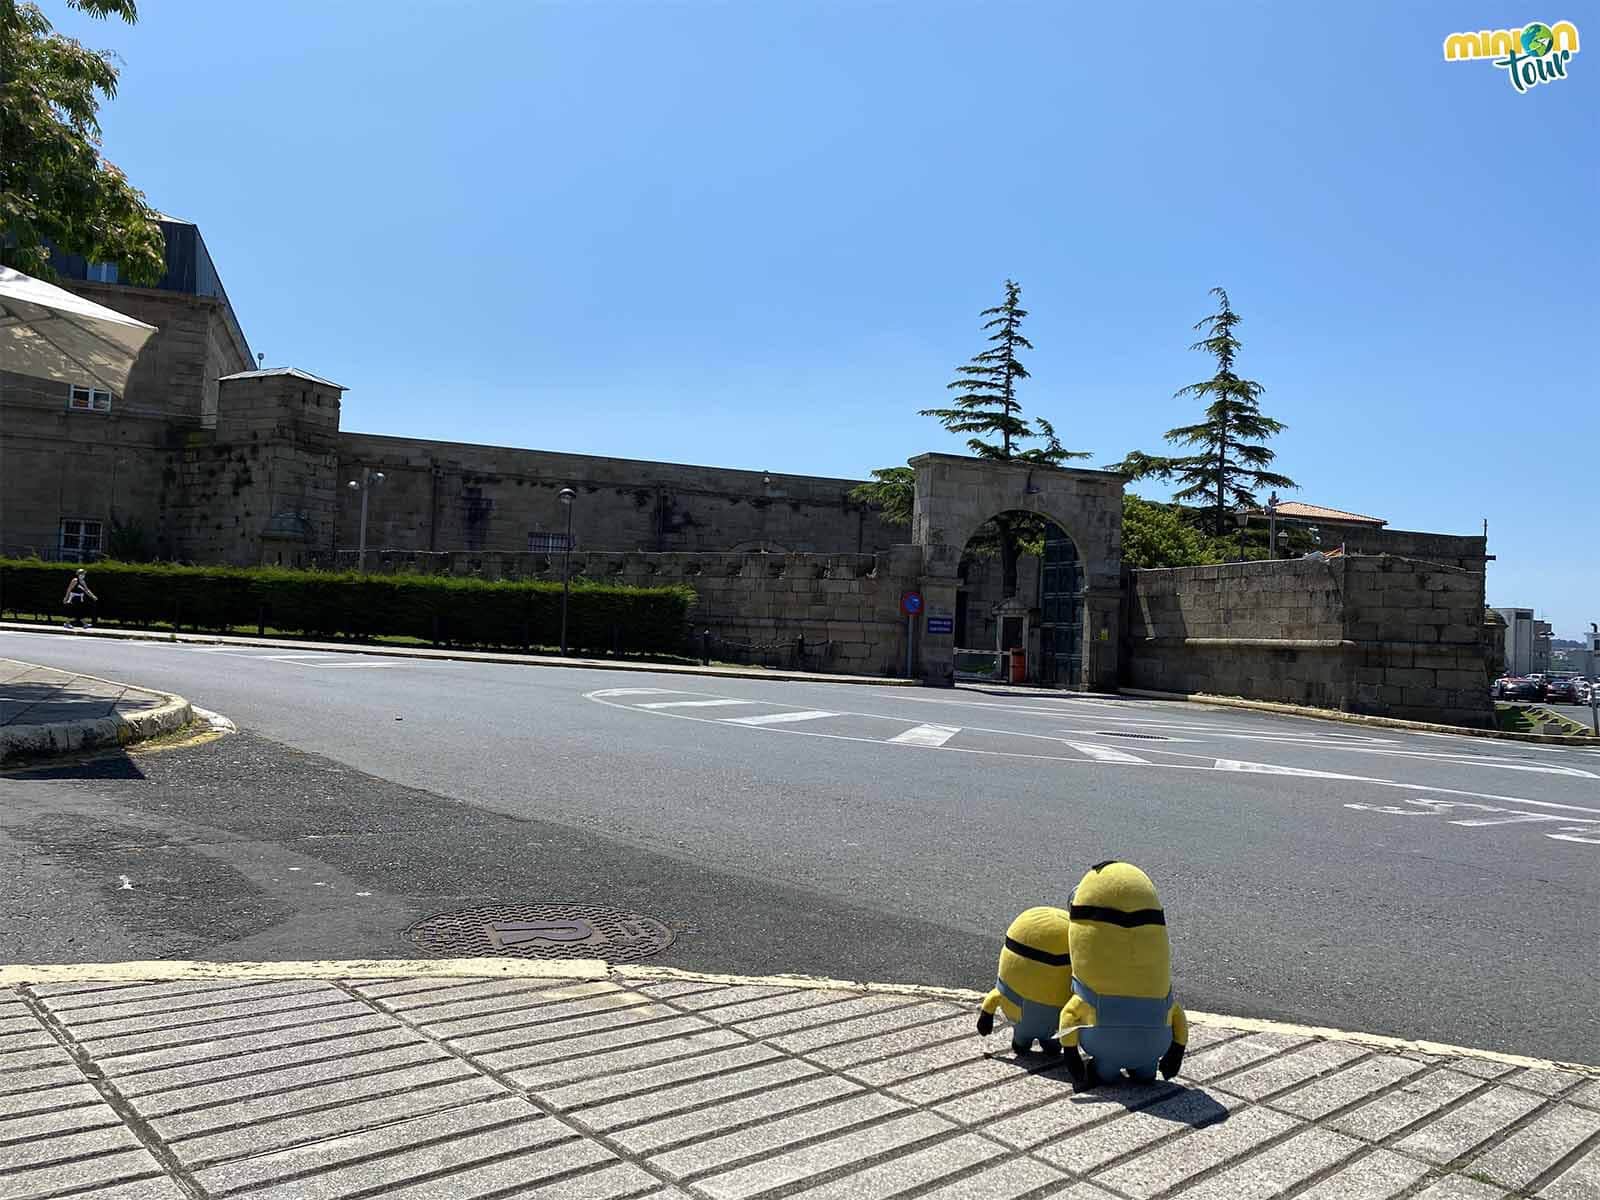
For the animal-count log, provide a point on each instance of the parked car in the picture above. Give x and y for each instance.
(1516, 687)
(1583, 689)
(1559, 689)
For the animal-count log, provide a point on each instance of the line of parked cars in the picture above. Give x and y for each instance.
(1553, 688)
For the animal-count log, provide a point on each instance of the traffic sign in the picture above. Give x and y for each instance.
(945, 625)
(911, 603)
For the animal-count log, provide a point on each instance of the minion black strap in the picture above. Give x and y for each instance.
(1115, 916)
(1027, 951)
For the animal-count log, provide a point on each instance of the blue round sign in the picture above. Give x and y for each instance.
(911, 603)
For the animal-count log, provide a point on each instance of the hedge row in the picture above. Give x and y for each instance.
(440, 609)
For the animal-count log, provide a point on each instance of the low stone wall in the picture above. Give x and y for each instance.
(1382, 635)
(822, 612)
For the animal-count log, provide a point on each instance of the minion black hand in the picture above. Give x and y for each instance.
(1171, 1060)
(985, 1023)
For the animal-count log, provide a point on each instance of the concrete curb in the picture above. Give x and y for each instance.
(64, 737)
(165, 971)
(1329, 714)
(479, 656)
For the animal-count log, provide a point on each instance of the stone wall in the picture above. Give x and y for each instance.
(845, 607)
(57, 463)
(1382, 634)
(455, 496)
(1453, 550)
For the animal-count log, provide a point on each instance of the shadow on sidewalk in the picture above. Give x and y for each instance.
(1180, 1104)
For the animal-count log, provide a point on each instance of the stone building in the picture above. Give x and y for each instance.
(211, 458)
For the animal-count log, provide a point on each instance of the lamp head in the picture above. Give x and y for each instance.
(566, 495)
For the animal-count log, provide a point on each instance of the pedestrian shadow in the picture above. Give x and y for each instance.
(1164, 1100)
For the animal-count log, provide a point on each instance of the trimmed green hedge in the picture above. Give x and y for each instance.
(433, 608)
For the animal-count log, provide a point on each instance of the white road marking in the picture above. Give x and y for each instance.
(926, 735)
(1106, 753)
(285, 657)
(606, 692)
(1573, 837)
(127, 884)
(1255, 768)
(1201, 763)
(696, 703)
(781, 718)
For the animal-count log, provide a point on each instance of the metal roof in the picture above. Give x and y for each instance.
(294, 371)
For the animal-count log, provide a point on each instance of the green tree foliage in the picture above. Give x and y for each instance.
(1231, 461)
(1168, 535)
(54, 184)
(986, 406)
(892, 491)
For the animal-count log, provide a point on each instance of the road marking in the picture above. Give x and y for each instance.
(127, 884)
(927, 735)
(1203, 763)
(603, 692)
(1106, 753)
(697, 703)
(283, 657)
(1255, 768)
(782, 718)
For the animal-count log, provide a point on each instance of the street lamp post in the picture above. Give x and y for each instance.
(1242, 518)
(369, 480)
(1272, 525)
(566, 496)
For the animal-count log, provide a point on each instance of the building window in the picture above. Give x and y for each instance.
(88, 399)
(547, 543)
(80, 540)
(101, 272)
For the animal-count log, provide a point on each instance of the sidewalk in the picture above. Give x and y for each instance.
(485, 656)
(46, 711)
(579, 1081)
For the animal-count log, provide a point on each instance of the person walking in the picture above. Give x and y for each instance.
(77, 600)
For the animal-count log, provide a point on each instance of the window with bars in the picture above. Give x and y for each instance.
(547, 543)
(80, 539)
(88, 399)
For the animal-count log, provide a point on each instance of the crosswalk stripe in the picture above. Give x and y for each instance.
(927, 735)
(698, 703)
(1106, 753)
(810, 714)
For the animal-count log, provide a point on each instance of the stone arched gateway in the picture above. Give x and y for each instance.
(955, 495)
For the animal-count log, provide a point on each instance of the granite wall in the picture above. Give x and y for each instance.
(1383, 635)
(843, 609)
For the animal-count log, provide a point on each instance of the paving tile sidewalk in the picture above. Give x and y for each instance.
(621, 1086)
(31, 695)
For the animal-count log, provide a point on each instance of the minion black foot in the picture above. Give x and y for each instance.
(1049, 1046)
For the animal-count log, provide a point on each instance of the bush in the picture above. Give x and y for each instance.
(470, 612)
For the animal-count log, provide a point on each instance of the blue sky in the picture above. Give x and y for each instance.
(759, 234)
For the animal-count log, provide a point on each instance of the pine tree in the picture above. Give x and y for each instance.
(1232, 462)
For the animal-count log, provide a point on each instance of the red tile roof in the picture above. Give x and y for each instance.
(1316, 512)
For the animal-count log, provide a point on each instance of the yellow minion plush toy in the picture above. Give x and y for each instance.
(1121, 1011)
(1033, 982)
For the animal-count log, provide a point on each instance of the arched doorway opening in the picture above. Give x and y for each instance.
(1031, 599)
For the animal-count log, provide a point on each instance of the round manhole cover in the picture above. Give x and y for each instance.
(542, 931)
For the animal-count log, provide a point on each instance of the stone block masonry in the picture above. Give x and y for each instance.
(1380, 634)
(845, 607)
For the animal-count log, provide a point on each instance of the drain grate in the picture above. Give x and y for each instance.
(542, 931)
(1143, 737)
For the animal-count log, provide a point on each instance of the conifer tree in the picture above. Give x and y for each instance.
(1231, 461)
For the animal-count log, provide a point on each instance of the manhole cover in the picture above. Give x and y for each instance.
(542, 931)
(1143, 737)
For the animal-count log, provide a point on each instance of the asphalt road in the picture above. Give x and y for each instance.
(1423, 885)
